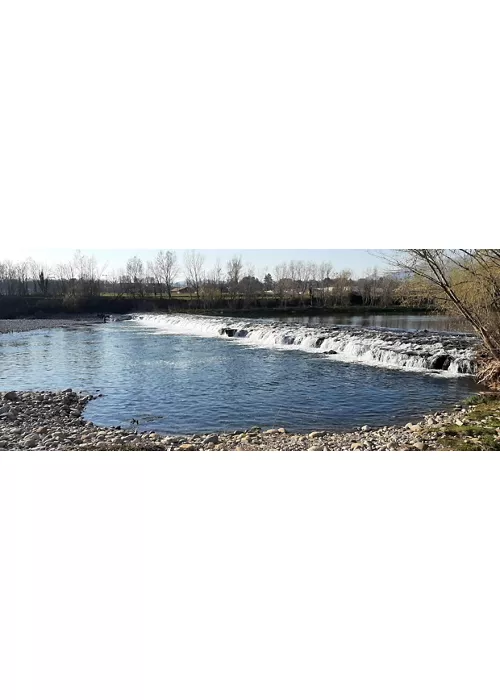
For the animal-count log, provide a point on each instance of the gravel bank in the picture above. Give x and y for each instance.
(37, 421)
(20, 325)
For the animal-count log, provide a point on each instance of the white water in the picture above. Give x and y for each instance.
(449, 354)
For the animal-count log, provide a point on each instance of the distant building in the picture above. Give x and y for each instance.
(183, 290)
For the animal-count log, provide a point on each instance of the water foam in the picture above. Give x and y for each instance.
(450, 354)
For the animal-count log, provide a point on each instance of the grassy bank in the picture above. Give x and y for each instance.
(50, 307)
(477, 431)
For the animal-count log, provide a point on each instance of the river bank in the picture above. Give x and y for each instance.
(22, 325)
(17, 307)
(53, 421)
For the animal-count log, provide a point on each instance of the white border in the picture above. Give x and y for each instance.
(229, 125)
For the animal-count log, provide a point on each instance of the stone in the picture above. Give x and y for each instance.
(420, 446)
(186, 447)
(365, 428)
(356, 446)
(211, 440)
(317, 434)
(11, 396)
(317, 448)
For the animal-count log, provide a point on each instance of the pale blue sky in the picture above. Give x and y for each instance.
(263, 260)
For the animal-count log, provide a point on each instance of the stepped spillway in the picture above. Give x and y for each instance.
(450, 354)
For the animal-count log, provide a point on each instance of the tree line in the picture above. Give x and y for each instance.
(294, 282)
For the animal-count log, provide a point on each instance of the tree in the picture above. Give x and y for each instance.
(283, 281)
(250, 286)
(40, 277)
(135, 275)
(153, 282)
(324, 274)
(86, 275)
(464, 280)
(234, 268)
(268, 283)
(166, 269)
(194, 262)
(214, 286)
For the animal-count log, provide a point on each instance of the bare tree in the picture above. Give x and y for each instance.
(40, 276)
(282, 282)
(324, 275)
(234, 269)
(9, 278)
(214, 285)
(167, 269)
(465, 280)
(152, 281)
(136, 276)
(194, 264)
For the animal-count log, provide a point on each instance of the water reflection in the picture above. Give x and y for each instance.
(408, 322)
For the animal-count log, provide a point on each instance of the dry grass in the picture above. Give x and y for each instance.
(489, 374)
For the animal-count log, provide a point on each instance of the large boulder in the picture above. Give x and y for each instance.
(441, 362)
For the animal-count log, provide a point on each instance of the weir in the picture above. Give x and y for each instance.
(449, 354)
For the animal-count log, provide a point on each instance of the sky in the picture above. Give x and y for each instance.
(262, 260)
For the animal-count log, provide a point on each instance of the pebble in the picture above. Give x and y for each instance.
(59, 425)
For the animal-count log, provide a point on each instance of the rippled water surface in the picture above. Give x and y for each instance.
(416, 322)
(177, 383)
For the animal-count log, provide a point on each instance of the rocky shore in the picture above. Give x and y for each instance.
(40, 421)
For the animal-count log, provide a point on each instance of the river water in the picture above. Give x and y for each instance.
(187, 374)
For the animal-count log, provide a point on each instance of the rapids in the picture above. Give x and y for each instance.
(449, 354)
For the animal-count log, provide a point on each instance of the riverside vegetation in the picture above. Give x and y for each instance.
(53, 421)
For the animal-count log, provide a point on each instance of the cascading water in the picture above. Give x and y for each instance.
(447, 353)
